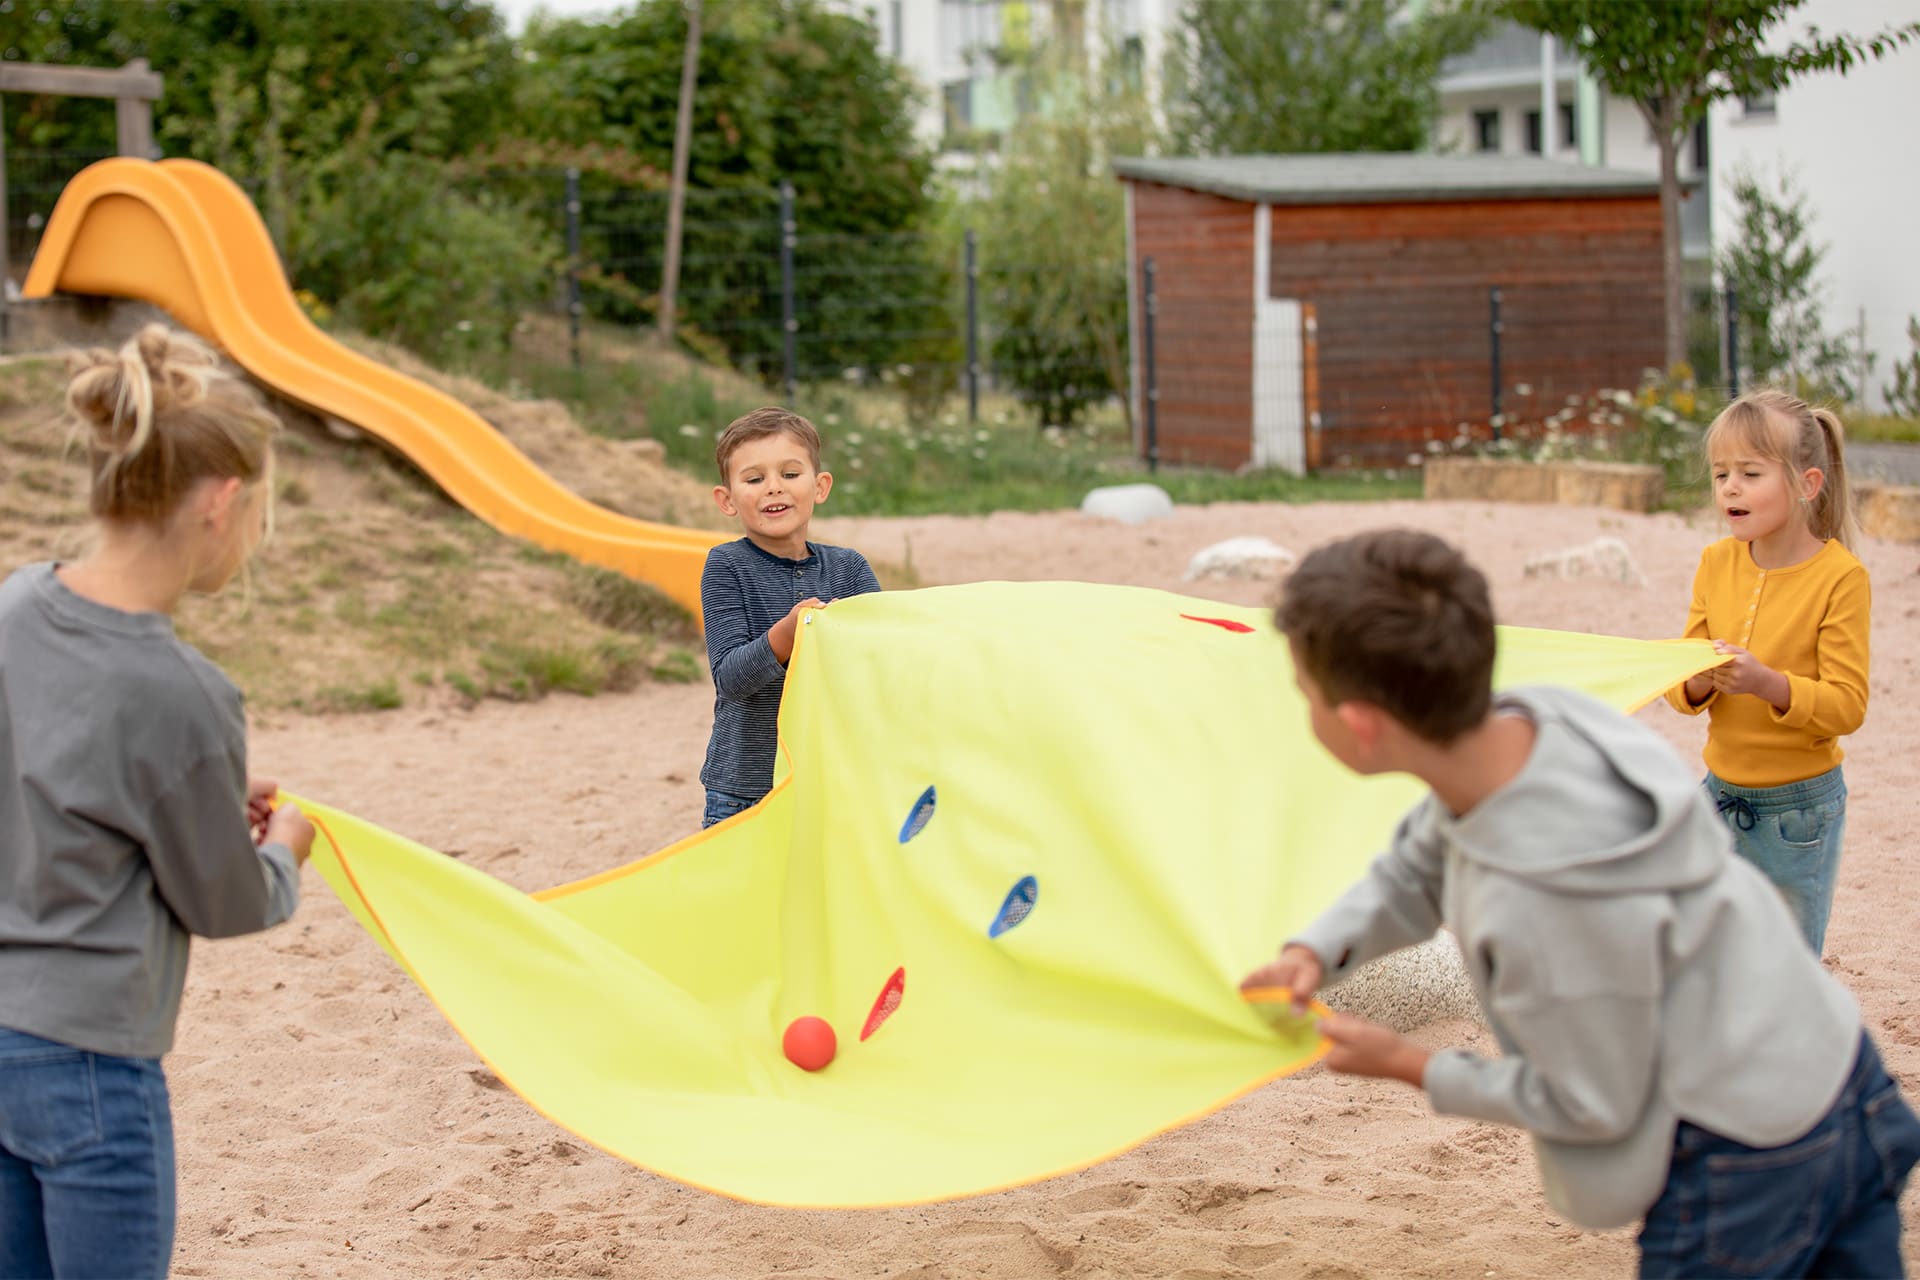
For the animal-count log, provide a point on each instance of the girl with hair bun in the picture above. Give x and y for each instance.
(128, 823)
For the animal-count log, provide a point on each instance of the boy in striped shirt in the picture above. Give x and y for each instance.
(754, 589)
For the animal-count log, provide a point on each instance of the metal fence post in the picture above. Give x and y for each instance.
(1733, 341)
(1494, 330)
(789, 325)
(1152, 299)
(973, 328)
(573, 264)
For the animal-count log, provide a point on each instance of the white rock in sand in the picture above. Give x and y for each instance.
(1128, 503)
(1250, 556)
(1601, 558)
(1410, 988)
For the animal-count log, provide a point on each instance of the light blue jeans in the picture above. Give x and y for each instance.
(86, 1163)
(1793, 832)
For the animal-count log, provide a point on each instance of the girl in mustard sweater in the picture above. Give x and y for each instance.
(1787, 603)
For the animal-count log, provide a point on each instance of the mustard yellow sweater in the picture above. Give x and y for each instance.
(1807, 621)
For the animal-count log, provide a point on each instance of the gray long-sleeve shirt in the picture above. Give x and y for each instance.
(123, 824)
(1634, 970)
(743, 592)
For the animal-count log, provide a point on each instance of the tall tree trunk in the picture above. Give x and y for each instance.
(1670, 249)
(677, 189)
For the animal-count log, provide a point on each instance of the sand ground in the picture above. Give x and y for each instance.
(330, 1123)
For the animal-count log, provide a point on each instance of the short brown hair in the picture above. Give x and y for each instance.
(159, 416)
(768, 420)
(1397, 618)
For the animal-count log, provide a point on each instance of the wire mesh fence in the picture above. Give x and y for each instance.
(766, 284)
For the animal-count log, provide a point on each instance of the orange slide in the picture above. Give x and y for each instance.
(181, 235)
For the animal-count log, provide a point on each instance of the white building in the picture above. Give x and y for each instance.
(1839, 136)
(947, 45)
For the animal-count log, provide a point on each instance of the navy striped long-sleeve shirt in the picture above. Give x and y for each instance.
(744, 590)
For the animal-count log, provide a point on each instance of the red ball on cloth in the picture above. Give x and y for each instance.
(809, 1043)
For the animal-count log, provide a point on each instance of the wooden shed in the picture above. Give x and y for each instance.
(1340, 310)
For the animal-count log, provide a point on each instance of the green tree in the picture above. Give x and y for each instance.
(788, 90)
(1773, 267)
(1903, 393)
(1674, 59)
(1310, 75)
(391, 56)
(1052, 227)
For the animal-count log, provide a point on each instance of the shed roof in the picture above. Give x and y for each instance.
(1382, 177)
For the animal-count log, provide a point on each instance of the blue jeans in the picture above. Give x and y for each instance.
(86, 1163)
(1824, 1205)
(1793, 833)
(722, 805)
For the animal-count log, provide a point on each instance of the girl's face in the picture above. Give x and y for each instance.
(1759, 497)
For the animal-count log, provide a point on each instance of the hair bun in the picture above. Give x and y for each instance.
(117, 394)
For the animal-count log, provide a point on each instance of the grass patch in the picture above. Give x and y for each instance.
(679, 666)
(636, 608)
(381, 695)
(519, 673)
(1882, 428)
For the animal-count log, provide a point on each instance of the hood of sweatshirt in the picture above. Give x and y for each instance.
(1596, 808)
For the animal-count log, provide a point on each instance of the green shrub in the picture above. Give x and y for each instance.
(402, 256)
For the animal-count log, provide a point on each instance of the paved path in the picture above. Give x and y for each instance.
(1894, 463)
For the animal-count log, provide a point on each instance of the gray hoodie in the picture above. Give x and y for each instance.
(1634, 970)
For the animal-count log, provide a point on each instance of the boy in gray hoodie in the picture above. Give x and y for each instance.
(1675, 1055)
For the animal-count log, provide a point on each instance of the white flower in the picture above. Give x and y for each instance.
(1523, 389)
(1434, 446)
(1414, 459)
(856, 464)
(853, 437)
(981, 454)
(689, 430)
(833, 420)
(464, 326)
(981, 436)
(904, 370)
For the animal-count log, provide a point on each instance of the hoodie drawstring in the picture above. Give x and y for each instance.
(1743, 813)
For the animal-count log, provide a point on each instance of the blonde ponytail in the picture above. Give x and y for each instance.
(1831, 511)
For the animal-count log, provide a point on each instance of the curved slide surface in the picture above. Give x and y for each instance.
(183, 236)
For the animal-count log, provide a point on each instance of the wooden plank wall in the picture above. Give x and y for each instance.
(1401, 294)
(1202, 246)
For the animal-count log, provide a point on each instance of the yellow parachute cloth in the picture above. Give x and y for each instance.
(1143, 757)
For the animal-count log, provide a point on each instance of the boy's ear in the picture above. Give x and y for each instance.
(723, 498)
(822, 486)
(1365, 722)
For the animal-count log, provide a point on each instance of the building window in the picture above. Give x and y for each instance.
(1569, 136)
(957, 99)
(1700, 156)
(1486, 130)
(1757, 104)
